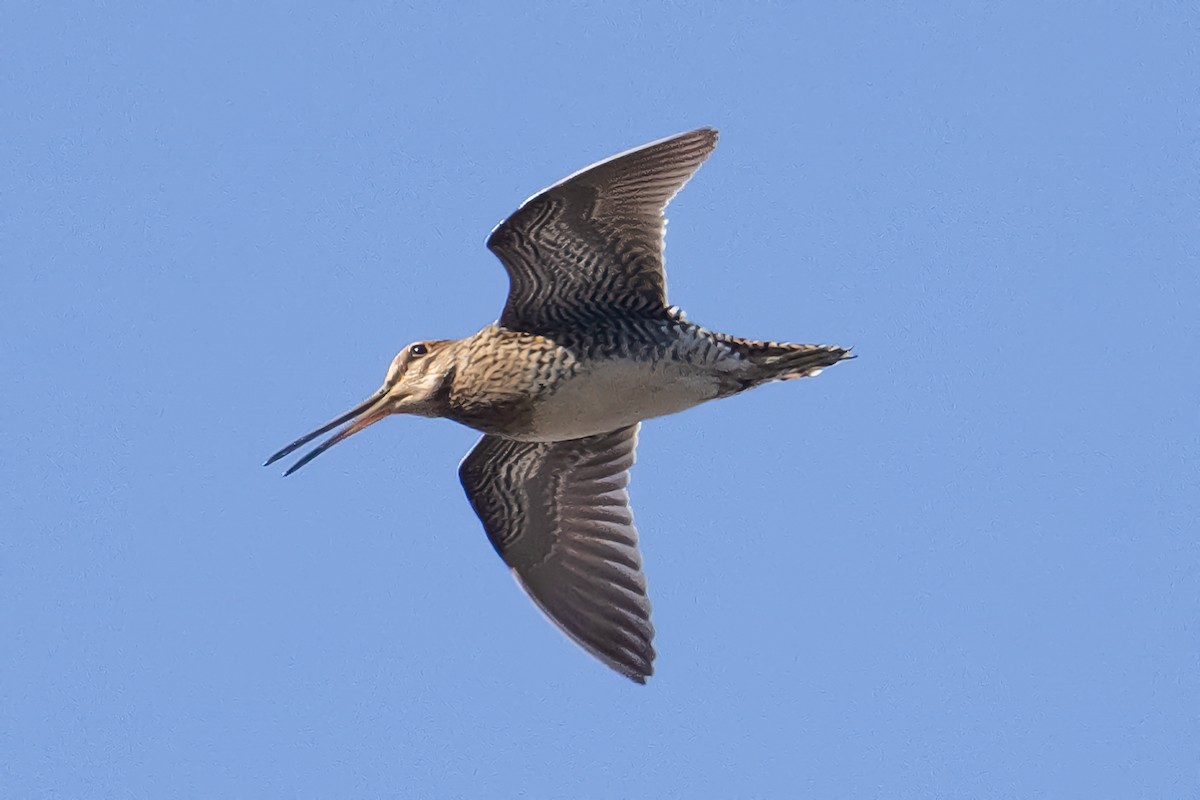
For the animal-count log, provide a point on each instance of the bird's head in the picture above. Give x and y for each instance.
(415, 384)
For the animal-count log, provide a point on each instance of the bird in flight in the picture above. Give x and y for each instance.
(585, 349)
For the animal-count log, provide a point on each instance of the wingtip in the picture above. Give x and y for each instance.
(639, 670)
(708, 134)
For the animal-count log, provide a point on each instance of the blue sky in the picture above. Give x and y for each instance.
(963, 565)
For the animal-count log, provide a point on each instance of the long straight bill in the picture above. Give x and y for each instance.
(372, 404)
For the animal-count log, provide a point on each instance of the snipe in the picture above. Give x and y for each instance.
(585, 349)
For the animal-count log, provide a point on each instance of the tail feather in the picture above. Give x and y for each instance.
(802, 361)
(783, 361)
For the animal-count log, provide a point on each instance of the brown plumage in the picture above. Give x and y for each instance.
(585, 349)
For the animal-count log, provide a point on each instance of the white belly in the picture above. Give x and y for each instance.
(607, 395)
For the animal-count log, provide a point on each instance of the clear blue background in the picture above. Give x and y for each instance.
(964, 565)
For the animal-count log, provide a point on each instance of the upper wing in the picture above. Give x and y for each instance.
(558, 514)
(593, 242)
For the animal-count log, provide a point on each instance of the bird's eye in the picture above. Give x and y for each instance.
(417, 350)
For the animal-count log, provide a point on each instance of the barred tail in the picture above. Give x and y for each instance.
(783, 361)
